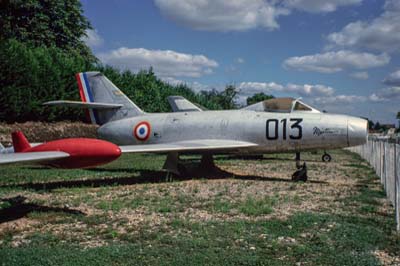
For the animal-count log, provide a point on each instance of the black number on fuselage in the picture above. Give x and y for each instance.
(275, 129)
(284, 121)
(273, 125)
(297, 126)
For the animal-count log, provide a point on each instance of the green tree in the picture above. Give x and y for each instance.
(224, 99)
(258, 97)
(30, 76)
(228, 97)
(41, 49)
(398, 118)
(150, 93)
(377, 126)
(371, 124)
(49, 23)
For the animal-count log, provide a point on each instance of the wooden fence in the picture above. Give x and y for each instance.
(383, 154)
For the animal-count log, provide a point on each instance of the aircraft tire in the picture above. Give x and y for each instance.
(326, 158)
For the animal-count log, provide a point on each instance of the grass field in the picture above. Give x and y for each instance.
(250, 213)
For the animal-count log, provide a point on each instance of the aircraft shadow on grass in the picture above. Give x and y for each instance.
(258, 158)
(140, 176)
(19, 209)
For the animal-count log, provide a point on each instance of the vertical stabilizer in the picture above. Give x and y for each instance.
(181, 104)
(20, 142)
(95, 87)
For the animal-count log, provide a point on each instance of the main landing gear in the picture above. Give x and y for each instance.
(301, 173)
(175, 167)
(172, 166)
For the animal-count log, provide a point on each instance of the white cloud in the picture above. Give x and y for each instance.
(172, 81)
(250, 88)
(322, 98)
(375, 98)
(320, 95)
(332, 62)
(360, 75)
(239, 15)
(382, 95)
(382, 33)
(316, 6)
(198, 87)
(306, 90)
(194, 86)
(386, 94)
(240, 60)
(165, 63)
(309, 90)
(340, 99)
(221, 15)
(92, 38)
(393, 79)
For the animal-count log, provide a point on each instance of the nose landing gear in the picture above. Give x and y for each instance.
(301, 173)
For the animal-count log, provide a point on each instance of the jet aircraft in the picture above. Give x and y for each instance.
(280, 105)
(295, 128)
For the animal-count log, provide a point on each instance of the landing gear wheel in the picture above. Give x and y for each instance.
(300, 174)
(326, 158)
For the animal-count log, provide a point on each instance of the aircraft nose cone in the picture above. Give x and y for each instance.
(357, 131)
(116, 152)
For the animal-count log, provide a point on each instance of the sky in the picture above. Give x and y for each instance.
(342, 56)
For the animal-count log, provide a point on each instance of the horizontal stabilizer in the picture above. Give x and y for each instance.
(7, 150)
(24, 157)
(188, 146)
(93, 105)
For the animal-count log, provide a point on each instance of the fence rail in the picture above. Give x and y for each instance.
(384, 156)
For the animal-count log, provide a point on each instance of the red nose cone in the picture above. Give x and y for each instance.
(83, 152)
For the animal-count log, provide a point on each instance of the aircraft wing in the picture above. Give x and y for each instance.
(189, 146)
(85, 104)
(23, 157)
(181, 104)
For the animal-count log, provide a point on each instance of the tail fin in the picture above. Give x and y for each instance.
(20, 142)
(181, 104)
(95, 87)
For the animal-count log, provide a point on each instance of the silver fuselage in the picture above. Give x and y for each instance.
(273, 132)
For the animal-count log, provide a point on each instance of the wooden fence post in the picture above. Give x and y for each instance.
(381, 161)
(397, 186)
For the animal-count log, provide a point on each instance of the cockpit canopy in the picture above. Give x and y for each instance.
(281, 105)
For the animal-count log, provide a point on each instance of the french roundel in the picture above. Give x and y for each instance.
(142, 131)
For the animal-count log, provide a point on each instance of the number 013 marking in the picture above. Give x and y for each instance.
(272, 130)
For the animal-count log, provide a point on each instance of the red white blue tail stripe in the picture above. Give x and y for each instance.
(86, 95)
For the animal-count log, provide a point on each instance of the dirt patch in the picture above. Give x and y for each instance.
(198, 208)
(40, 132)
(386, 259)
(256, 192)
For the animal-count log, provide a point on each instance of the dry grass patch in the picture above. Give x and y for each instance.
(258, 209)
